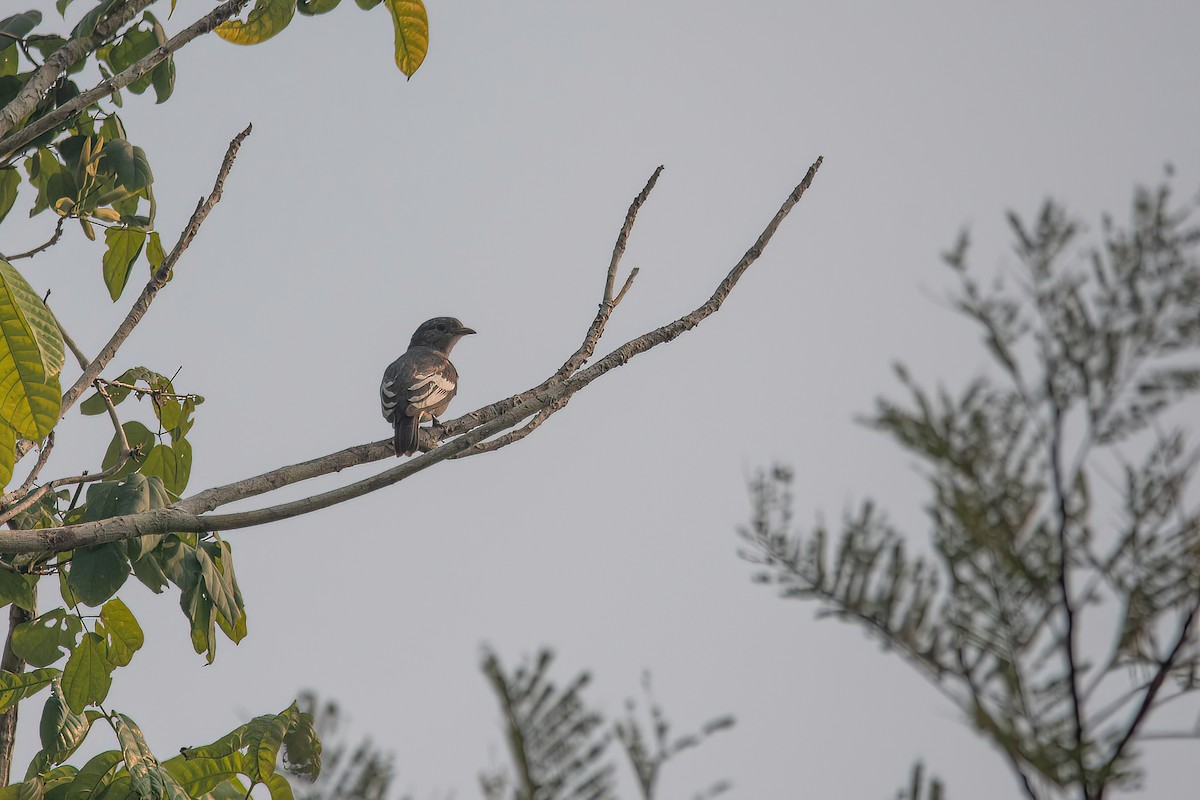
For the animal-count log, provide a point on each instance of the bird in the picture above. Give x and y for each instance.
(419, 385)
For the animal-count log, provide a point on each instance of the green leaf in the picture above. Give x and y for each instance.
(87, 25)
(279, 787)
(140, 439)
(88, 674)
(31, 356)
(62, 730)
(95, 404)
(8, 446)
(10, 182)
(17, 27)
(143, 766)
(411, 25)
(311, 8)
(267, 18)
(198, 776)
(97, 573)
(135, 44)
(18, 589)
(124, 246)
(44, 640)
(62, 5)
(216, 567)
(172, 464)
(93, 775)
(302, 746)
(32, 789)
(163, 79)
(122, 631)
(128, 163)
(154, 251)
(367, 5)
(14, 688)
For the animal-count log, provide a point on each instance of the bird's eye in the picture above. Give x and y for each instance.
(441, 327)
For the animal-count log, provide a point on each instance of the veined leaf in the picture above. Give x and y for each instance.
(10, 181)
(267, 18)
(8, 447)
(42, 641)
(279, 787)
(97, 573)
(15, 588)
(31, 356)
(121, 628)
(124, 246)
(16, 687)
(311, 8)
(172, 465)
(92, 775)
(198, 776)
(129, 163)
(88, 674)
(18, 26)
(62, 730)
(32, 789)
(411, 25)
(143, 766)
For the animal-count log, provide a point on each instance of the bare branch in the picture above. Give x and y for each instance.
(58, 232)
(468, 430)
(18, 141)
(43, 77)
(30, 479)
(158, 280)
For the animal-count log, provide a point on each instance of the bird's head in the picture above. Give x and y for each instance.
(439, 333)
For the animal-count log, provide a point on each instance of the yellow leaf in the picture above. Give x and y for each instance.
(412, 33)
(267, 18)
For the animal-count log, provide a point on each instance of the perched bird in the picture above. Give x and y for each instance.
(419, 385)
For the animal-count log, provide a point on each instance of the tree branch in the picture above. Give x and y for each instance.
(44, 76)
(21, 139)
(469, 430)
(58, 232)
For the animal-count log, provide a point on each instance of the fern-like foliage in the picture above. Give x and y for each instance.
(1039, 515)
(556, 742)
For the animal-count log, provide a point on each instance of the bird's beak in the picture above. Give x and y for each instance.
(463, 331)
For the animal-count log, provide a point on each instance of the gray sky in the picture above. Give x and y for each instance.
(491, 187)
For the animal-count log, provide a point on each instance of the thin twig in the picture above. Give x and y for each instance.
(22, 138)
(158, 280)
(31, 478)
(44, 77)
(1069, 641)
(470, 429)
(58, 232)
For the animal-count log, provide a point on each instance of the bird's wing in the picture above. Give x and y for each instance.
(430, 391)
(419, 383)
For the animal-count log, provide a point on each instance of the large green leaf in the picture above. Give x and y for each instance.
(98, 572)
(88, 673)
(279, 787)
(171, 464)
(267, 18)
(129, 163)
(124, 246)
(199, 776)
(122, 630)
(31, 356)
(411, 25)
(311, 8)
(42, 641)
(8, 447)
(10, 182)
(62, 730)
(18, 26)
(140, 439)
(93, 775)
(16, 687)
(141, 763)
(15, 588)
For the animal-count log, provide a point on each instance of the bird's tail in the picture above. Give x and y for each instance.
(406, 435)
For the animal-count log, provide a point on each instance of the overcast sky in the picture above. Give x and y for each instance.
(490, 187)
